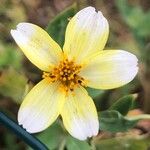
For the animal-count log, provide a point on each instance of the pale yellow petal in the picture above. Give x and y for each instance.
(41, 106)
(110, 69)
(37, 45)
(86, 33)
(79, 115)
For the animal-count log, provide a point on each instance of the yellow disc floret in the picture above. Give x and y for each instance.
(67, 73)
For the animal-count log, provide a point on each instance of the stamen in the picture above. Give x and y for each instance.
(64, 79)
(67, 73)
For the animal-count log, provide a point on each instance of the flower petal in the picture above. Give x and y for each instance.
(41, 106)
(37, 45)
(79, 115)
(86, 33)
(110, 69)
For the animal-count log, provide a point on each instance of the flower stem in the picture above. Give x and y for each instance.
(139, 117)
(21, 133)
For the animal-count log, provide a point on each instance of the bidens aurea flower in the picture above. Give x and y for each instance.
(67, 72)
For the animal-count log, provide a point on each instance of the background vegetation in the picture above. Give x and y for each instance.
(129, 22)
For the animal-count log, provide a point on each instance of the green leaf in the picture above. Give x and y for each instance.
(94, 92)
(74, 144)
(113, 121)
(56, 28)
(124, 104)
(53, 136)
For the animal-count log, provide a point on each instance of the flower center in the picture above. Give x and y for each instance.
(67, 73)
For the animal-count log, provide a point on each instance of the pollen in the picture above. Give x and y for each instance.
(67, 73)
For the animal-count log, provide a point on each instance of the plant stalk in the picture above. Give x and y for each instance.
(21, 133)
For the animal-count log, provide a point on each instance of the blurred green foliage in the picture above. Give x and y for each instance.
(13, 84)
(9, 55)
(56, 28)
(136, 18)
(125, 143)
(13, 79)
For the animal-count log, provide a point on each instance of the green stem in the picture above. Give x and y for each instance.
(20, 132)
(139, 117)
(62, 145)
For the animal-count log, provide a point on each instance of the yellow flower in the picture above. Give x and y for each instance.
(67, 72)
